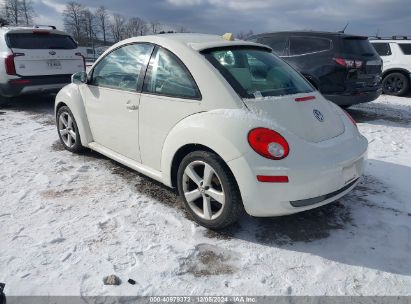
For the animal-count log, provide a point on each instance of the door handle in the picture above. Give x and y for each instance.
(132, 107)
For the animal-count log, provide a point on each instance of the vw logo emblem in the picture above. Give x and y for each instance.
(52, 53)
(318, 115)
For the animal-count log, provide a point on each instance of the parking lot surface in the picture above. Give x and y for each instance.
(70, 220)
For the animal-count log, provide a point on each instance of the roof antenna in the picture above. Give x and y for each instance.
(345, 27)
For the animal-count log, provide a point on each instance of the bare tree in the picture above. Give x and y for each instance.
(118, 27)
(27, 11)
(102, 21)
(73, 19)
(155, 27)
(135, 27)
(89, 24)
(12, 11)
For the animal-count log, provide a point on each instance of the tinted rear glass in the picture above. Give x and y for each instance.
(358, 46)
(278, 44)
(383, 49)
(40, 41)
(405, 48)
(256, 73)
(308, 45)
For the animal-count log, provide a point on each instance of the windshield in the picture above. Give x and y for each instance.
(255, 72)
(40, 41)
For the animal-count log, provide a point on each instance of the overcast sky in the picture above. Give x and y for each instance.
(391, 17)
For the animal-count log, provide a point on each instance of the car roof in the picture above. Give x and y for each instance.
(28, 29)
(308, 33)
(194, 41)
(390, 40)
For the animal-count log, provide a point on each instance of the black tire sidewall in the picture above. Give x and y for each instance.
(403, 90)
(233, 206)
(77, 147)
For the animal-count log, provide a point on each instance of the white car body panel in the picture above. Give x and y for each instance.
(106, 108)
(397, 59)
(319, 163)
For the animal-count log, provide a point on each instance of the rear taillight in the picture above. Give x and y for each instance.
(350, 117)
(84, 60)
(9, 63)
(268, 143)
(349, 63)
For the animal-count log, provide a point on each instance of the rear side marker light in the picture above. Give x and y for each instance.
(350, 117)
(306, 98)
(268, 143)
(272, 179)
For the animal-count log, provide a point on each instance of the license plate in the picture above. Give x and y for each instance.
(54, 64)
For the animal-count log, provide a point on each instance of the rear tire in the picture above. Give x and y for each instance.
(396, 84)
(68, 130)
(209, 190)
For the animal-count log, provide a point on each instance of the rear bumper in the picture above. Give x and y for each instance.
(34, 84)
(352, 98)
(318, 173)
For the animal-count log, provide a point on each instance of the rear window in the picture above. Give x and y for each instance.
(383, 49)
(405, 48)
(256, 72)
(358, 46)
(308, 45)
(278, 44)
(40, 41)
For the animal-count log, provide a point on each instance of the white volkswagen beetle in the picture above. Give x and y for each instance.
(228, 123)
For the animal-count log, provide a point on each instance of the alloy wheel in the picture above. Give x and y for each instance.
(67, 129)
(203, 190)
(394, 84)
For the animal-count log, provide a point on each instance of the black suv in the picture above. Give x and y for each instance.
(344, 68)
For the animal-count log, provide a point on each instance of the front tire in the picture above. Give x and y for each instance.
(396, 84)
(209, 190)
(68, 130)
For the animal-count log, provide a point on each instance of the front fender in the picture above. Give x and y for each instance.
(223, 131)
(70, 95)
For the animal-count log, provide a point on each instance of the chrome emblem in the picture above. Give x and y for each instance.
(318, 115)
(52, 53)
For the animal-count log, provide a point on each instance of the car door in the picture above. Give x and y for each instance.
(169, 95)
(112, 97)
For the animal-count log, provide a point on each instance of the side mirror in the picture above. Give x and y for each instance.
(79, 78)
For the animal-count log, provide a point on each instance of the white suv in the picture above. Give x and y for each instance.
(36, 59)
(396, 54)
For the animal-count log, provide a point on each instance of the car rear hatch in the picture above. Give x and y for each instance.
(361, 62)
(44, 52)
(308, 116)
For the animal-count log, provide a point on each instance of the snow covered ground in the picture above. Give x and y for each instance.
(66, 221)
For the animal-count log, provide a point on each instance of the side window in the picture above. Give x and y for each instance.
(308, 45)
(405, 48)
(278, 44)
(383, 49)
(168, 76)
(122, 68)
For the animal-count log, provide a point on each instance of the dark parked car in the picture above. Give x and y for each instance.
(344, 68)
